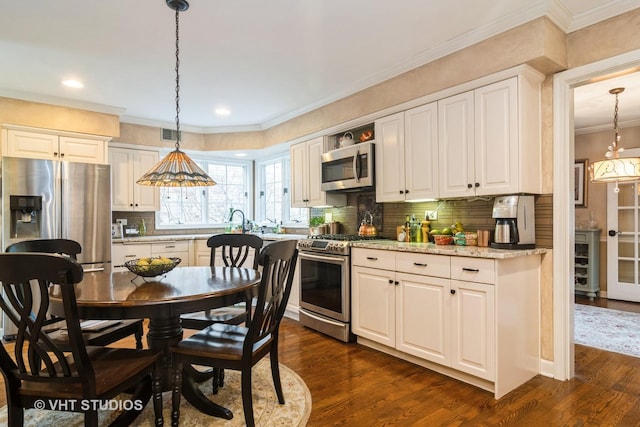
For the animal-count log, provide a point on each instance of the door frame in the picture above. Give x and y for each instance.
(563, 204)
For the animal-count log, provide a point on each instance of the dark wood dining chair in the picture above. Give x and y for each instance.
(241, 347)
(40, 374)
(102, 337)
(234, 250)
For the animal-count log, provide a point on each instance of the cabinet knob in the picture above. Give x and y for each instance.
(469, 186)
(406, 191)
(55, 154)
(61, 154)
(613, 233)
(396, 283)
(477, 184)
(453, 291)
(136, 205)
(131, 204)
(390, 282)
(401, 192)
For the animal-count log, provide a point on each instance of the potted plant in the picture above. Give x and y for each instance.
(314, 222)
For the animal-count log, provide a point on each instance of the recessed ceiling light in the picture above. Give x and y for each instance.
(73, 83)
(241, 154)
(222, 111)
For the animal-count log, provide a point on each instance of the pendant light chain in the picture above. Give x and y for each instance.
(178, 136)
(615, 127)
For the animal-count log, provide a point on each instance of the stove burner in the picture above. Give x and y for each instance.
(343, 237)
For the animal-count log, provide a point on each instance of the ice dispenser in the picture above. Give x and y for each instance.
(26, 216)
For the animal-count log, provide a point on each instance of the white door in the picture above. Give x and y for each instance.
(623, 239)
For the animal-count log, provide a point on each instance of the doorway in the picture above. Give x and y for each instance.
(563, 203)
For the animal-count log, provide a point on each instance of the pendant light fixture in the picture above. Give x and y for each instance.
(176, 169)
(615, 168)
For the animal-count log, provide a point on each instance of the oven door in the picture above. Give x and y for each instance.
(324, 284)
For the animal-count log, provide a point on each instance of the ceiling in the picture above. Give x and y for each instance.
(265, 61)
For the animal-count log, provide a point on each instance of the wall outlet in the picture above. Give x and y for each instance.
(121, 221)
(431, 215)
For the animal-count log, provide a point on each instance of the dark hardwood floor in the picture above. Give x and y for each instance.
(609, 303)
(352, 385)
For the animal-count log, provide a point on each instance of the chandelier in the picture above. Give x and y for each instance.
(614, 168)
(176, 169)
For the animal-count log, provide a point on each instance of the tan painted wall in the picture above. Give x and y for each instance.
(45, 116)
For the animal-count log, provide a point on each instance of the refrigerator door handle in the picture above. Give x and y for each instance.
(93, 270)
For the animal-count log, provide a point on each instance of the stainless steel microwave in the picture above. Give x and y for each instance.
(349, 168)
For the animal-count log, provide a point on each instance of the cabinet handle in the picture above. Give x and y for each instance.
(390, 282)
(61, 154)
(55, 154)
(401, 192)
(371, 258)
(475, 270)
(477, 184)
(406, 191)
(129, 256)
(130, 204)
(453, 291)
(469, 186)
(419, 264)
(397, 283)
(170, 247)
(136, 205)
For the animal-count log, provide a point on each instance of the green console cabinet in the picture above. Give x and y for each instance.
(587, 263)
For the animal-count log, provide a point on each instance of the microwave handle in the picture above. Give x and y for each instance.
(356, 166)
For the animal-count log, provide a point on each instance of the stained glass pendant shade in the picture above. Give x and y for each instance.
(176, 169)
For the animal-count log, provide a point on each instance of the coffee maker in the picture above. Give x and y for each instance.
(515, 222)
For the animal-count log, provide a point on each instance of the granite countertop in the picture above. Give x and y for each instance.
(453, 250)
(176, 237)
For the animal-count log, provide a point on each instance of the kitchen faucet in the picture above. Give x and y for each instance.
(244, 226)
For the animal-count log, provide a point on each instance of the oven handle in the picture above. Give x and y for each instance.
(324, 258)
(323, 319)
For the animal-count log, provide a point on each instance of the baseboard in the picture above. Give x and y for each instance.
(292, 313)
(546, 368)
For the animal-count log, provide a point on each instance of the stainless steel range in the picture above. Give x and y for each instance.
(325, 283)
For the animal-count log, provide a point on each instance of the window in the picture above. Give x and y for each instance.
(273, 201)
(184, 207)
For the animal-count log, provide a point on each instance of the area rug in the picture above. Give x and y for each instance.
(267, 411)
(606, 329)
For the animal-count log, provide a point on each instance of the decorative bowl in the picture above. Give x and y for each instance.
(151, 267)
(443, 239)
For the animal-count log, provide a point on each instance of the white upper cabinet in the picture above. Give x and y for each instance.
(306, 178)
(127, 165)
(51, 146)
(407, 155)
(489, 139)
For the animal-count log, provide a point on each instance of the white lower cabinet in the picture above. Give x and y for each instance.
(474, 319)
(172, 249)
(122, 252)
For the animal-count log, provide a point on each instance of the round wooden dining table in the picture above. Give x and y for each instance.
(162, 299)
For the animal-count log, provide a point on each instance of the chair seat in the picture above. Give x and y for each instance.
(233, 315)
(112, 366)
(219, 340)
(109, 335)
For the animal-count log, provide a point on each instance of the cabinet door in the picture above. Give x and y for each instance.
(313, 172)
(299, 172)
(32, 145)
(121, 178)
(82, 150)
(373, 305)
(390, 169)
(421, 152)
(121, 253)
(456, 146)
(496, 138)
(423, 312)
(145, 198)
(473, 329)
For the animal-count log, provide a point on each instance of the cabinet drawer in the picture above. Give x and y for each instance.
(473, 269)
(424, 264)
(162, 248)
(374, 258)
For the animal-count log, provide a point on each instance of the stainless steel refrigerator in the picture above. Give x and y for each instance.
(45, 199)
